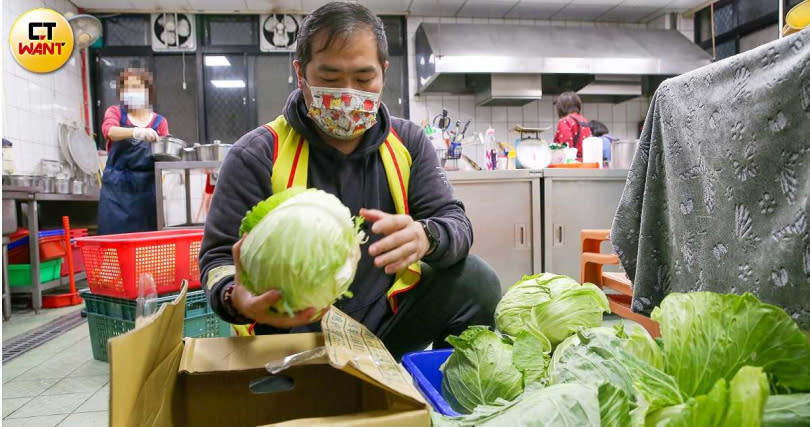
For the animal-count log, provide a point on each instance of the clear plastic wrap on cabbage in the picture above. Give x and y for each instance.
(304, 243)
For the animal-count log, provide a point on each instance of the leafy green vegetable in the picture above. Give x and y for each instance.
(738, 403)
(530, 355)
(748, 391)
(258, 212)
(597, 356)
(480, 370)
(706, 410)
(787, 410)
(557, 405)
(709, 336)
(614, 406)
(572, 309)
(305, 244)
(514, 309)
(640, 344)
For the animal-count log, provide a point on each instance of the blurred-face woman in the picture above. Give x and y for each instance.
(573, 127)
(127, 201)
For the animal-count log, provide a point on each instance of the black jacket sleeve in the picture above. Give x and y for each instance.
(243, 181)
(430, 196)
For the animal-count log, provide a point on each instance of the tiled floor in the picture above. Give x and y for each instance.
(56, 384)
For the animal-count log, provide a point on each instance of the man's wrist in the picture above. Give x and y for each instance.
(431, 235)
(228, 293)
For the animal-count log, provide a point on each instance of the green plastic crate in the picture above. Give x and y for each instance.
(109, 317)
(20, 274)
(124, 309)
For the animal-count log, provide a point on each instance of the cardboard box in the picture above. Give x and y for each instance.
(343, 376)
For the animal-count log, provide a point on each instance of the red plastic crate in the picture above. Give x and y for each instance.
(51, 248)
(78, 262)
(114, 263)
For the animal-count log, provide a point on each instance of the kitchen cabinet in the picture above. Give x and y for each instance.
(574, 200)
(505, 210)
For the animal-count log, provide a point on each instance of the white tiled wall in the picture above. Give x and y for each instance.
(33, 103)
(622, 119)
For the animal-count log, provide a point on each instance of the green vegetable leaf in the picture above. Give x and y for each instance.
(787, 410)
(572, 309)
(258, 212)
(640, 344)
(614, 406)
(480, 370)
(709, 336)
(530, 355)
(558, 405)
(748, 391)
(707, 410)
(596, 356)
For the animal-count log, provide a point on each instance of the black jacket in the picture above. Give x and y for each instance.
(358, 180)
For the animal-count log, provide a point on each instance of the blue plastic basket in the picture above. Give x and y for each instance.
(424, 368)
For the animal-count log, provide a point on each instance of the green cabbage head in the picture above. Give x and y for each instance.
(550, 306)
(514, 309)
(303, 243)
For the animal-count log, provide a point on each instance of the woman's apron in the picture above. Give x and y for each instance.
(127, 200)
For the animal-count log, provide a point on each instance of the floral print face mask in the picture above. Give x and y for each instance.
(343, 113)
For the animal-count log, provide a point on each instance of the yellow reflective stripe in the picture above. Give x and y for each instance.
(286, 145)
(243, 330)
(219, 273)
(397, 170)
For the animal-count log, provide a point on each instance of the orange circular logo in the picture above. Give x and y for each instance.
(41, 40)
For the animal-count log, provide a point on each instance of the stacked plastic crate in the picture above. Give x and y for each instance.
(116, 266)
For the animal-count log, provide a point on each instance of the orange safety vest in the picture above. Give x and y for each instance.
(290, 169)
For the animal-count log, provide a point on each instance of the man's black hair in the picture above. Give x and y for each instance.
(339, 20)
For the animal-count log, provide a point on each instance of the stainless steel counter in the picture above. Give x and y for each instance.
(529, 221)
(562, 173)
(457, 176)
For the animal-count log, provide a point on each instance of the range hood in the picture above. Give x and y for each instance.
(495, 61)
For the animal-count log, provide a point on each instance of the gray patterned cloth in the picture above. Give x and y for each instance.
(718, 196)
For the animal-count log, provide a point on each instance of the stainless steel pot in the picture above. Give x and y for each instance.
(212, 152)
(46, 184)
(22, 180)
(78, 186)
(622, 153)
(62, 185)
(168, 148)
(190, 154)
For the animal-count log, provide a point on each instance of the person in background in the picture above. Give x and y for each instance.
(127, 200)
(600, 130)
(572, 127)
(382, 168)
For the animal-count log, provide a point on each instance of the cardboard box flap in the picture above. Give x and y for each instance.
(352, 348)
(209, 355)
(144, 367)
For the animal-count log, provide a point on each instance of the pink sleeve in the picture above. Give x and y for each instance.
(112, 117)
(163, 127)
